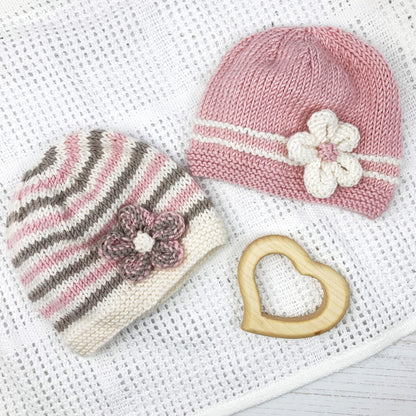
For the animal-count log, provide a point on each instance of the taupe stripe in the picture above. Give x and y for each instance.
(170, 180)
(196, 209)
(48, 160)
(58, 278)
(94, 215)
(96, 152)
(96, 297)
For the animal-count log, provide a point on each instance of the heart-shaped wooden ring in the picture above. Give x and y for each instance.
(334, 304)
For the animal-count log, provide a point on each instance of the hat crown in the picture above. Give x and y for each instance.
(303, 76)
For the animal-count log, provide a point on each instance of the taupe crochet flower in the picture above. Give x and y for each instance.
(143, 241)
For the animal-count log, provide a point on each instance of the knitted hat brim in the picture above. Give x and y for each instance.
(370, 197)
(129, 302)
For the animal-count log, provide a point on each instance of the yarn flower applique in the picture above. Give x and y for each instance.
(326, 154)
(143, 241)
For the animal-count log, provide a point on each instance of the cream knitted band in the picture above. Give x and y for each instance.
(103, 230)
(128, 302)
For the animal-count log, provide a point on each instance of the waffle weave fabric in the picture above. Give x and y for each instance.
(83, 188)
(141, 69)
(252, 124)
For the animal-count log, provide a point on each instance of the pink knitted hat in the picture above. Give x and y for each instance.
(102, 230)
(305, 113)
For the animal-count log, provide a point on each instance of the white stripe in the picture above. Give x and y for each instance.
(245, 148)
(75, 278)
(242, 130)
(167, 168)
(380, 159)
(173, 192)
(80, 297)
(63, 154)
(280, 158)
(281, 139)
(45, 274)
(381, 176)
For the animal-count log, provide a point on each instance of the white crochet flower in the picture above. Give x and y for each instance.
(326, 154)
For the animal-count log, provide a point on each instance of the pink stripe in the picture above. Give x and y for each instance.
(156, 166)
(387, 169)
(55, 218)
(58, 257)
(71, 292)
(178, 202)
(37, 226)
(72, 145)
(369, 197)
(117, 144)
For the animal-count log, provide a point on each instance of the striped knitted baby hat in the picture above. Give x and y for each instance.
(102, 230)
(305, 113)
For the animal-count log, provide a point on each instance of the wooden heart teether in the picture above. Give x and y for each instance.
(334, 304)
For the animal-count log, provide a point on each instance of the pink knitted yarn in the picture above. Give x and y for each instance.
(328, 152)
(266, 89)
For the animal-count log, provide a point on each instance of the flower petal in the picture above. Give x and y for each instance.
(319, 178)
(146, 219)
(323, 125)
(137, 266)
(348, 171)
(128, 220)
(301, 148)
(346, 137)
(168, 226)
(116, 246)
(167, 254)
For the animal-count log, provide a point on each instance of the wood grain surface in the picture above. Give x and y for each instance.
(334, 303)
(382, 385)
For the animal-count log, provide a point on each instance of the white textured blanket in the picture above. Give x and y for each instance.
(140, 67)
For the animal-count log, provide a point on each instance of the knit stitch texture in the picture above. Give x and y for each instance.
(144, 241)
(94, 194)
(272, 86)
